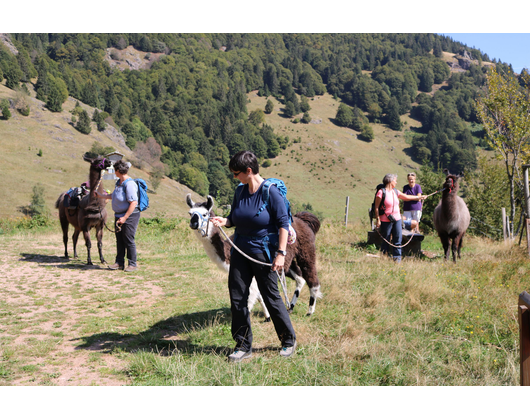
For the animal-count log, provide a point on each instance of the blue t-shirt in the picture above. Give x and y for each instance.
(250, 228)
(123, 195)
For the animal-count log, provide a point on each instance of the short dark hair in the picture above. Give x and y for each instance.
(121, 167)
(243, 160)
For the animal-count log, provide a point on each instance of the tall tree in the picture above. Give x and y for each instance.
(83, 125)
(392, 115)
(504, 110)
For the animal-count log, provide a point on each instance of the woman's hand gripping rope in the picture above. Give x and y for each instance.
(221, 221)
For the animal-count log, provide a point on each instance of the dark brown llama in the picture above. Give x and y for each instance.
(451, 216)
(90, 213)
(300, 261)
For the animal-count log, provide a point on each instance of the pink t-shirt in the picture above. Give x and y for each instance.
(391, 204)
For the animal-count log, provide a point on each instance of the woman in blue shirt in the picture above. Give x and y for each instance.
(252, 235)
(125, 207)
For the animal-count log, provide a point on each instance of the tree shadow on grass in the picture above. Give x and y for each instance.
(162, 337)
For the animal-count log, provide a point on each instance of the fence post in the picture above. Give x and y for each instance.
(524, 338)
(528, 235)
(346, 212)
(527, 205)
(503, 210)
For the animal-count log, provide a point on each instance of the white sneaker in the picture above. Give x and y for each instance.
(288, 351)
(239, 355)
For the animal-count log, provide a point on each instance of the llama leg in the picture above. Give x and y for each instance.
(444, 238)
(254, 295)
(454, 247)
(300, 282)
(64, 226)
(75, 236)
(460, 243)
(314, 294)
(307, 264)
(99, 235)
(88, 244)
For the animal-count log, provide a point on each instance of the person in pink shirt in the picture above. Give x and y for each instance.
(388, 216)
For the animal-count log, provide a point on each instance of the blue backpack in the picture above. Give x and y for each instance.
(265, 191)
(143, 199)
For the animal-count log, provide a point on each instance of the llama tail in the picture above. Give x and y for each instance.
(310, 219)
(59, 200)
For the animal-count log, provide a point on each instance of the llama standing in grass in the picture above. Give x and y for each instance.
(451, 216)
(300, 261)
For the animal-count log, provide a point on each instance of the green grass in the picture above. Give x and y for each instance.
(424, 322)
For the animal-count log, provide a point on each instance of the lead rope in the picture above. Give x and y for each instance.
(392, 245)
(280, 278)
(412, 237)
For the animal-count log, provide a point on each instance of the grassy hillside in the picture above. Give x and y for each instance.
(328, 164)
(61, 165)
(331, 163)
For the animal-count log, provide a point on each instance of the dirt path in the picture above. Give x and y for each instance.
(49, 304)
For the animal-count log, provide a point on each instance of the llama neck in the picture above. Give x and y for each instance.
(94, 177)
(449, 202)
(215, 247)
(96, 185)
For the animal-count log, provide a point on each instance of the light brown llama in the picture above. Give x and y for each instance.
(451, 216)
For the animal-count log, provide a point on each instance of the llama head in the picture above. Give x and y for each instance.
(199, 213)
(98, 163)
(451, 181)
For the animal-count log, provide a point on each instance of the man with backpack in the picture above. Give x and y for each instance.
(125, 199)
(262, 227)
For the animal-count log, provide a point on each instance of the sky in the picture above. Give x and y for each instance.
(511, 48)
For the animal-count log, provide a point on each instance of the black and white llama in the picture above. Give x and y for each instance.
(300, 261)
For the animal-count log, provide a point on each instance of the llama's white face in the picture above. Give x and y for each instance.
(199, 214)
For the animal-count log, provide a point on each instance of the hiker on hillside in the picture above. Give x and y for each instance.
(124, 203)
(251, 230)
(389, 221)
(412, 209)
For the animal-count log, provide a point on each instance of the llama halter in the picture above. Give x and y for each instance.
(204, 221)
(452, 185)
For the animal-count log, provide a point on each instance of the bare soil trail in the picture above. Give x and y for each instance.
(50, 305)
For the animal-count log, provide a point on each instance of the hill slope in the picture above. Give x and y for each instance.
(61, 165)
(328, 164)
(331, 163)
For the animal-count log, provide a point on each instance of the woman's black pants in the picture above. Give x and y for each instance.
(125, 242)
(241, 272)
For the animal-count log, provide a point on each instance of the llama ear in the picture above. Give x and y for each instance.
(461, 174)
(189, 201)
(446, 172)
(87, 159)
(209, 203)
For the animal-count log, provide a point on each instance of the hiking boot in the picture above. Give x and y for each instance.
(288, 351)
(239, 355)
(131, 268)
(115, 266)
